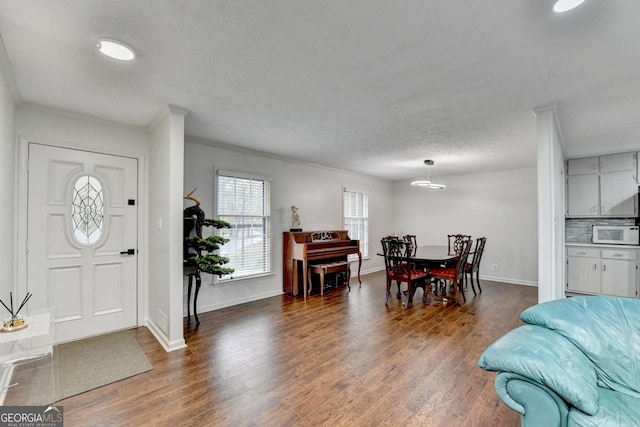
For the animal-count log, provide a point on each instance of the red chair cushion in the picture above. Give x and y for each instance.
(403, 275)
(444, 273)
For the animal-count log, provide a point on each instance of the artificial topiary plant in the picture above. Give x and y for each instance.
(208, 261)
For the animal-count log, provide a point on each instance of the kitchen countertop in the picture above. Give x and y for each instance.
(599, 245)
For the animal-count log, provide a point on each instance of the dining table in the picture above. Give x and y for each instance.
(433, 253)
(434, 256)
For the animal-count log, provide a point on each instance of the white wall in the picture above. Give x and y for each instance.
(8, 227)
(501, 206)
(75, 131)
(316, 191)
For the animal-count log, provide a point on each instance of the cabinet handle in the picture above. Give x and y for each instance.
(595, 267)
(617, 255)
(582, 253)
(604, 267)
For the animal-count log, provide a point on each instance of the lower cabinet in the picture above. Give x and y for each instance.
(600, 271)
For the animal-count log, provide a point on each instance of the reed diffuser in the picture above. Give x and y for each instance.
(15, 322)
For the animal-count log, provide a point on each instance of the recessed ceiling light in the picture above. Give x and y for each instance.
(566, 5)
(115, 49)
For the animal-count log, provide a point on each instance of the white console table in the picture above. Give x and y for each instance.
(27, 374)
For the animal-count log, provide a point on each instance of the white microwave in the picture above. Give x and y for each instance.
(616, 234)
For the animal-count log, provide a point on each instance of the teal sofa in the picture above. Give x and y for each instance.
(575, 362)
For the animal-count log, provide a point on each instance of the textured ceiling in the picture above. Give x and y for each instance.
(370, 86)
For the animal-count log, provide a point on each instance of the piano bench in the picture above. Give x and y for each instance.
(332, 267)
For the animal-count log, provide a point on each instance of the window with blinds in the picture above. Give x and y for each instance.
(245, 202)
(355, 207)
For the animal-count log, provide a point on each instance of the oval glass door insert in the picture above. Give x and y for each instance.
(87, 210)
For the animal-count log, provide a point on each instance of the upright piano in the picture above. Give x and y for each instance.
(300, 247)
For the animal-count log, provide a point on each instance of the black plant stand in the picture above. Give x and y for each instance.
(191, 271)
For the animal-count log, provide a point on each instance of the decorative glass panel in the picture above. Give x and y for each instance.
(87, 210)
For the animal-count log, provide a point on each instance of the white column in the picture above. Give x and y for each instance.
(551, 206)
(8, 208)
(166, 178)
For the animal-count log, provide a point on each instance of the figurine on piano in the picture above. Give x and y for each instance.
(295, 219)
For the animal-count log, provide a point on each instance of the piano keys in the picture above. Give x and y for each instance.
(300, 247)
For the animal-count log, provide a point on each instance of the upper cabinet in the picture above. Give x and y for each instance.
(618, 162)
(583, 195)
(603, 186)
(618, 194)
(586, 165)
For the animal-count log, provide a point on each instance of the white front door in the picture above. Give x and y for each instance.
(82, 239)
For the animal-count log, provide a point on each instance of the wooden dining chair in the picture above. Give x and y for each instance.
(412, 243)
(455, 242)
(454, 275)
(412, 247)
(397, 261)
(389, 238)
(474, 266)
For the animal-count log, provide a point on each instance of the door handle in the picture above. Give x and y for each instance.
(128, 252)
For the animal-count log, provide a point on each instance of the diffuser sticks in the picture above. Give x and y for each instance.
(14, 322)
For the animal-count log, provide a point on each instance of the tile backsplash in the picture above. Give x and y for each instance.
(578, 230)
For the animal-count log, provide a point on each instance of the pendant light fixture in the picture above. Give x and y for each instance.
(427, 183)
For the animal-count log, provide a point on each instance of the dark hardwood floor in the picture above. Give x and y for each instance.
(344, 360)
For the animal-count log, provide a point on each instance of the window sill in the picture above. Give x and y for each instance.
(242, 279)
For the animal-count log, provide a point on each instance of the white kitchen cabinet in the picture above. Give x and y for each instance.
(583, 195)
(585, 165)
(597, 271)
(619, 278)
(603, 186)
(618, 162)
(618, 194)
(584, 273)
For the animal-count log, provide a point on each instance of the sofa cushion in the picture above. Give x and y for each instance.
(606, 329)
(548, 359)
(616, 409)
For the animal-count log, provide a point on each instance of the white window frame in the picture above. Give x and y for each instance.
(227, 249)
(347, 221)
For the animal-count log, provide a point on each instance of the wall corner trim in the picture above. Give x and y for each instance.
(168, 346)
(165, 112)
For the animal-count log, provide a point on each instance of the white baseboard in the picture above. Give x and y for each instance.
(236, 301)
(369, 271)
(508, 280)
(168, 346)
